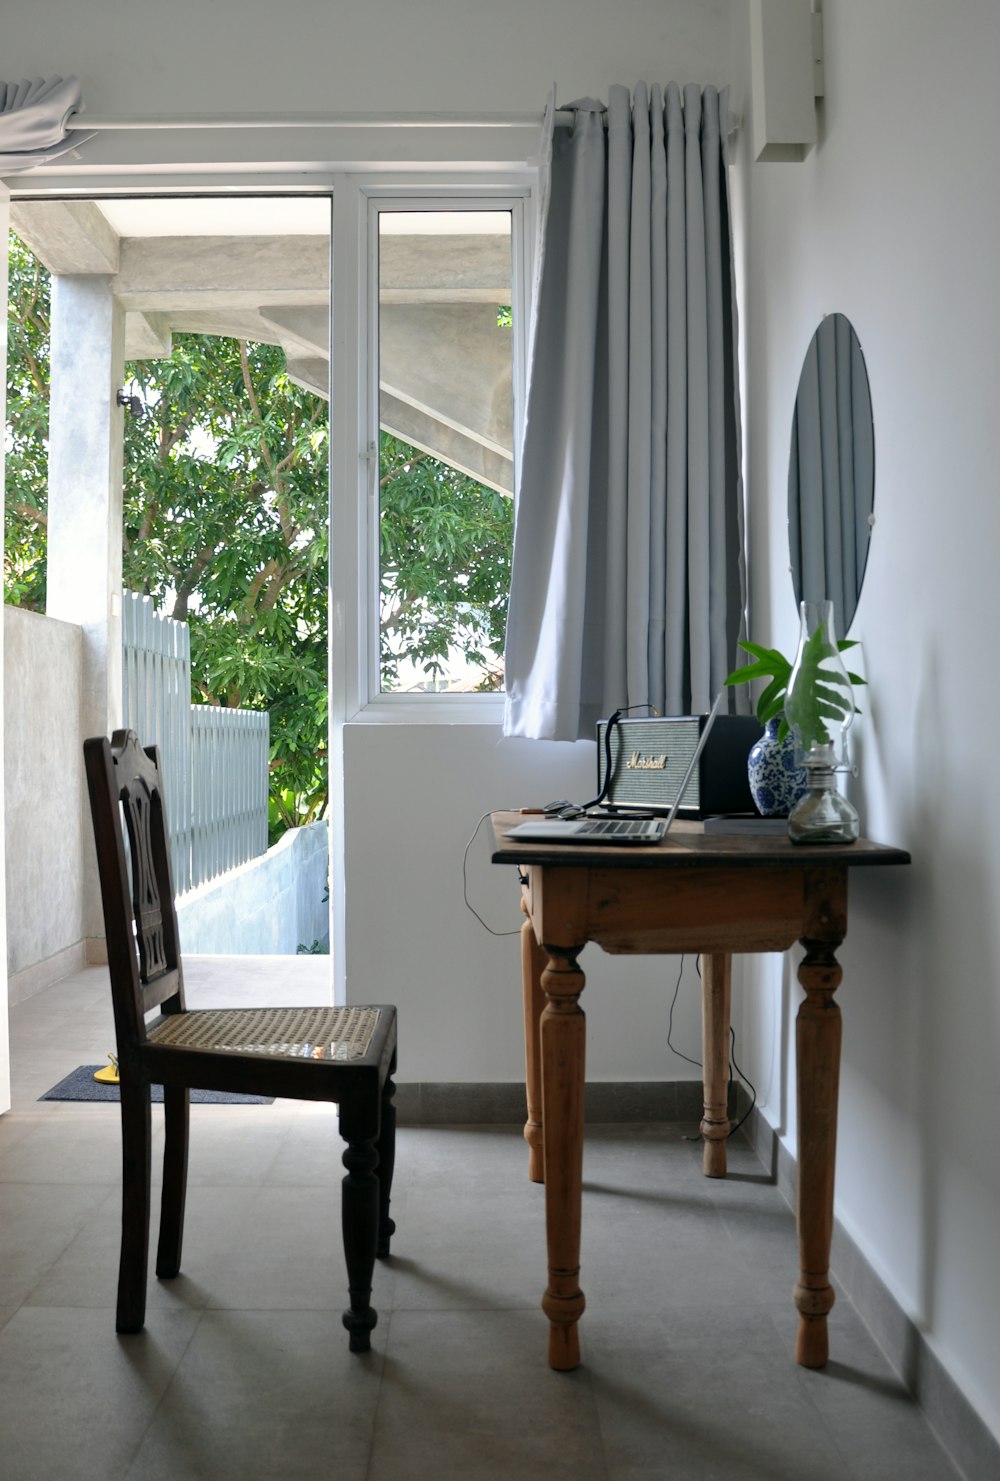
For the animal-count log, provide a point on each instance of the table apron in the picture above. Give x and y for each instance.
(631, 911)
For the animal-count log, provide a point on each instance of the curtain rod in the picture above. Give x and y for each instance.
(563, 117)
(307, 121)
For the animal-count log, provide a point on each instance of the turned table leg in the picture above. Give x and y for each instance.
(817, 1054)
(716, 992)
(533, 961)
(563, 1044)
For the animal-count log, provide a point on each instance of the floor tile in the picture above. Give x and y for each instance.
(244, 1370)
(467, 1396)
(39, 1222)
(76, 1399)
(273, 1396)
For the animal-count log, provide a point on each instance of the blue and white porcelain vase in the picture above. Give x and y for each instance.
(776, 782)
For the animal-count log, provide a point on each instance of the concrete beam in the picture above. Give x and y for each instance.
(453, 361)
(477, 265)
(147, 336)
(422, 429)
(167, 273)
(312, 373)
(164, 273)
(70, 237)
(308, 326)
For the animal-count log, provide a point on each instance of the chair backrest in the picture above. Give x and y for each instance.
(136, 888)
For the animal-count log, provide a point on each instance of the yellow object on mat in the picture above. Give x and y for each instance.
(109, 1074)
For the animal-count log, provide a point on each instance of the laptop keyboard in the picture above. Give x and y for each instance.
(619, 826)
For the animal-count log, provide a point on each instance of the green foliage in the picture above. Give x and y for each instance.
(27, 430)
(774, 666)
(226, 527)
(818, 692)
(445, 547)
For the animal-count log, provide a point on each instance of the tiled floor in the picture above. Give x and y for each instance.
(243, 1372)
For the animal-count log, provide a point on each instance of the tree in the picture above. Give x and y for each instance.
(445, 555)
(226, 527)
(27, 429)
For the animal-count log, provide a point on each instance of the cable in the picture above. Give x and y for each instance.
(733, 1066)
(465, 878)
(743, 1077)
(571, 810)
(670, 1021)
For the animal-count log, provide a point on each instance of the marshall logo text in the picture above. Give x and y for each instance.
(638, 762)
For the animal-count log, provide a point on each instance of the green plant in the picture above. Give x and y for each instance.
(770, 664)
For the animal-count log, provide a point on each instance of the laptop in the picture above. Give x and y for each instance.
(600, 832)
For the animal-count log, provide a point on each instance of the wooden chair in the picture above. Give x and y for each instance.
(345, 1055)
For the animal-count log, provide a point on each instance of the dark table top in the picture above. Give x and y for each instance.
(688, 846)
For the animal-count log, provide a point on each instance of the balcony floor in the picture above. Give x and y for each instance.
(243, 1370)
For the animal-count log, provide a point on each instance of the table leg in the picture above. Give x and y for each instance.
(817, 1052)
(533, 961)
(716, 993)
(563, 1039)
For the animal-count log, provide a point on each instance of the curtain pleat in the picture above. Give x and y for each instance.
(628, 583)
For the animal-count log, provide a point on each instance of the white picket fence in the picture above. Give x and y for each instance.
(214, 761)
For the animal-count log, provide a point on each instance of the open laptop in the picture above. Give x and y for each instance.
(601, 832)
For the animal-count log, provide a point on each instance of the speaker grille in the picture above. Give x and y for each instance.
(666, 748)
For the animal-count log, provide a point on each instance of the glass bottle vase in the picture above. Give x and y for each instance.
(820, 708)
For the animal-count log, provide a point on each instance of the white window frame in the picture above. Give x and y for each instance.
(358, 684)
(247, 167)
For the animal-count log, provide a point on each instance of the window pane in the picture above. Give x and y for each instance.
(446, 465)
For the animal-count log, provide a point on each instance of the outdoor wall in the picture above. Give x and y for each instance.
(270, 906)
(892, 220)
(47, 830)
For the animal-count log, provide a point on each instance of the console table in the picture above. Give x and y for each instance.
(712, 895)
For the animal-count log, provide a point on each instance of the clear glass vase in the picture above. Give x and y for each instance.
(820, 708)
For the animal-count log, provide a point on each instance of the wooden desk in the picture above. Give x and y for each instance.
(714, 896)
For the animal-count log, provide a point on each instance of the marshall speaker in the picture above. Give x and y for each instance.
(649, 759)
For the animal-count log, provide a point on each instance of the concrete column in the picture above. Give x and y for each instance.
(84, 578)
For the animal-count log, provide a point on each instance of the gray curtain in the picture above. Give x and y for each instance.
(831, 471)
(628, 583)
(33, 118)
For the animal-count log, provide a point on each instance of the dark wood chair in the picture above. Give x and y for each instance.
(344, 1055)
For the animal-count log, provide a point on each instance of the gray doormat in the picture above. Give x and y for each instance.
(81, 1085)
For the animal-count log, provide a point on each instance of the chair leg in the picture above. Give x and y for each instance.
(136, 1143)
(386, 1164)
(176, 1103)
(359, 1217)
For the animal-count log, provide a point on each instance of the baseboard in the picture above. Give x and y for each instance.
(962, 1432)
(439, 1103)
(34, 979)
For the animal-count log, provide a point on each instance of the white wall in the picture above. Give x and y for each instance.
(46, 832)
(414, 798)
(322, 56)
(893, 220)
(269, 906)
